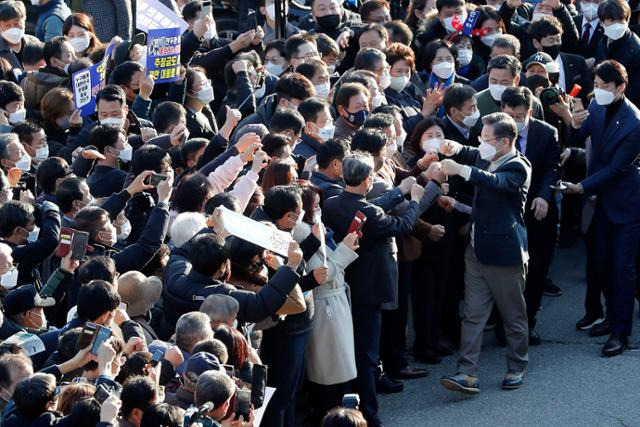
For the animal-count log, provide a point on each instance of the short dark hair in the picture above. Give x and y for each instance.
(368, 58)
(137, 393)
(343, 417)
(148, 157)
(278, 45)
(616, 10)
(331, 150)
(273, 144)
(612, 71)
(25, 130)
(280, 200)
(311, 108)
(310, 67)
(191, 147)
(349, 90)
(294, 42)
(431, 50)
(33, 393)
(286, 119)
(167, 113)
(505, 62)
(162, 414)
(370, 6)
(228, 200)
(192, 193)
(546, 26)
(91, 219)
(53, 48)
(49, 171)
(122, 74)
(67, 192)
(85, 412)
(448, 3)
(326, 45)
(97, 268)
(379, 121)
(456, 95)
(95, 298)
(111, 93)
(11, 10)
(399, 32)
(9, 92)
(207, 253)
(378, 28)
(370, 141)
(103, 136)
(32, 53)
(14, 214)
(519, 96)
(294, 85)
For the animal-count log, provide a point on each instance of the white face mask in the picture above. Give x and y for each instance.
(589, 10)
(142, 60)
(497, 91)
(322, 91)
(274, 69)
(115, 121)
(42, 153)
(444, 69)
(18, 116)
(317, 216)
(431, 145)
(487, 151)
(113, 239)
(390, 149)
(80, 44)
(399, 83)
(206, 94)
(9, 280)
(471, 120)
(448, 22)
(603, 97)
(521, 125)
(125, 230)
(326, 133)
(615, 31)
(271, 12)
(378, 99)
(35, 2)
(300, 217)
(385, 80)
(211, 32)
(488, 39)
(401, 138)
(33, 234)
(126, 153)
(464, 57)
(331, 68)
(260, 91)
(24, 164)
(13, 35)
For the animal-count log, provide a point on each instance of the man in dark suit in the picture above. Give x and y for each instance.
(370, 276)
(620, 43)
(496, 257)
(613, 176)
(591, 31)
(538, 142)
(462, 114)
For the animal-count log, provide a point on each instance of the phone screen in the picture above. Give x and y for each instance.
(102, 335)
(230, 370)
(206, 9)
(79, 243)
(157, 178)
(101, 394)
(86, 336)
(243, 404)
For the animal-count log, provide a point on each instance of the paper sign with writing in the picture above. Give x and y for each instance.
(153, 15)
(255, 232)
(163, 54)
(88, 82)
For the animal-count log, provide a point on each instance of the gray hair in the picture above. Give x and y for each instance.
(507, 41)
(503, 126)
(215, 387)
(185, 226)
(191, 328)
(5, 140)
(356, 167)
(220, 308)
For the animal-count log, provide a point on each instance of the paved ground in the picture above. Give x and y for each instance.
(567, 384)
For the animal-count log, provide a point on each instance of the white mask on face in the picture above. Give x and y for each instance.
(9, 280)
(464, 57)
(210, 33)
(113, 239)
(125, 230)
(331, 68)
(385, 80)
(322, 91)
(115, 121)
(326, 133)
(431, 145)
(66, 68)
(33, 234)
(401, 138)
(448, 22)
(317, 216)
(471, 120)
(615, 31)
(603, 97)
(487, 151)
(18, 116)
(126, 153)
(271, 12)
(24, 164)
(444, 69)
(259, 92)
(390, 149)
(42, 153)
(488, 39)
(520, 125)
(399, 83)
(142, 60)
(274, 69)
(80, 44)
(205, 94)
(300, 217)
(589, 10)
(378, 99)
(497, 91)
(13, 35)
(35, 2)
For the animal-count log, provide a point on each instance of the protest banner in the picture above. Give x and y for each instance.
(153, 15)
(87, 83)
(163, 54)
(262, 235)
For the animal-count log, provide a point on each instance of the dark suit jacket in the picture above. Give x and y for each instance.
(625, 50)
(588, 50)
(499, 233)
(451, 132)
(543, 151)
(370, 276)
(613, 169)
(577, 72)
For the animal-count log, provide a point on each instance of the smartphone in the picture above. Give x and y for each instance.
(102, 393)
(123, 305)
(64, 245)
(559, 187)
(357, 224)
(230, 370)
(102, 334)
(157, 357)
(243, 404)
(79, 243)
(157, 178)
(206, 9)
(252, 19)
(351, 400)
(86, 337)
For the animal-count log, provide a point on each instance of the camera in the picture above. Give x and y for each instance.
(549, 96)
(351, 400)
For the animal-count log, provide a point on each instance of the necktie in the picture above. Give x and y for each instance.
(586, 34)
(519, 144)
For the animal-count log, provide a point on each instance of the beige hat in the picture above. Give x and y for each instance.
(139, 292)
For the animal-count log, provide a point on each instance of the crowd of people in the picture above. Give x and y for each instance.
(422, 159)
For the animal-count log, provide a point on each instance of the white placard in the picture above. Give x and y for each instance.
(259, 413)
(255, 232)
(28, 342)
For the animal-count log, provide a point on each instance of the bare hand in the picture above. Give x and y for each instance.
(13, 176)
(216, 221)
(540, 207)
(243, 41)
(146, 87)
(121, 316)
(351, 241)
(247, 155)
(257, 39)
(233, 116)
(147, 134)
(450, 148)
(174, 356)
(178, 134)
(138, 185)
(417, 191)
(75, 120)
(201, 26)
(578, 114)
(68, 264)
(26, 196)
(294, 255)
(105, 356)
(164, 188)
(447, 203)
(260, 161)
(246, 141)
(451, 167)
(573, 188)
(343, 39)
(432, 100)
(110, 409)
(321, 274)
(238, 66)
(436, 173)
(134, 345)
(406, 184)
(91, 154)
(318, 230)
(564, 156)
(436, 232)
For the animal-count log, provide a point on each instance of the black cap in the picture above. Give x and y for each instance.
(199, 363)
(543, 59)
(23, 299)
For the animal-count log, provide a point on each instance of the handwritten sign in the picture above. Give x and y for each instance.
(153, 15)
(255, 232)
(163, 54)
(87, 82)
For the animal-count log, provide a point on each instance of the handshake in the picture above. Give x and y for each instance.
(409, 185)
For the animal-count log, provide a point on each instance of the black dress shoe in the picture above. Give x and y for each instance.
(615, 345)
(550, 289)
(588, 322)
(409, 373)
(427, 356)
(534, 338)
(600, 329)
(386, 384)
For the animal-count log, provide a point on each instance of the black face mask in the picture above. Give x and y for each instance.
(329, 21)
(535, 81)
(553, 51)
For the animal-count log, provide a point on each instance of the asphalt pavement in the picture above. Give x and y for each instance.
(568, 383)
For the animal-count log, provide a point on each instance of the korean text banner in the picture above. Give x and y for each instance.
(163, 54)
(152, 15)
(87, 83)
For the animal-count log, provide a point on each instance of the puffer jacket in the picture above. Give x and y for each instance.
(36, 85)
